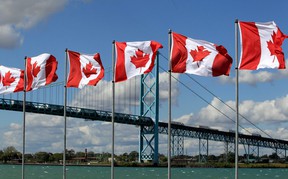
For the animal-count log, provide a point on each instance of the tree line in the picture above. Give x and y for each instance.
(11, 155)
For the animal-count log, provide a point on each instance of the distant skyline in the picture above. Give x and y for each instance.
(37, 26)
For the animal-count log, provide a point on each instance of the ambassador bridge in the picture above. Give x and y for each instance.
(137, 103)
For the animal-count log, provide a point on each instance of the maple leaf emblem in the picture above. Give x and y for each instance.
(89, 70)
(8, 79)
(35, 69)
(140, 59)
(199, 54)
(274, 45)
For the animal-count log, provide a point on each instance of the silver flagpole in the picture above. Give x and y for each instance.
(169, 107)
(24, 120)
(113, 107)
(65, 118)
(237, 99)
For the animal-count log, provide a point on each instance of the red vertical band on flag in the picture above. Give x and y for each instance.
(50, 70)
(179, 53)
(101, 75)
(278, 40)
(74, 59)
(222, 62)
(29, 76)
(20, 85)
(120, 71)
(154, 46)
(250, 42)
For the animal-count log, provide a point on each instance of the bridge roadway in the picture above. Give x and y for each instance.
(177, 128)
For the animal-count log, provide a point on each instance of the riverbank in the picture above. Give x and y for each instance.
(163, 165)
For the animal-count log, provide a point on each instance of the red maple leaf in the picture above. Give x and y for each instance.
(89, 70)
(274, 45)
(8, 79)
(140, 59)
(35, 69)
(200, 54)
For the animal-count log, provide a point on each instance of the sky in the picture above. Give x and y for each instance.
(32, 27)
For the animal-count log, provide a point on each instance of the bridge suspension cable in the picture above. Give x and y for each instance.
(206, 89)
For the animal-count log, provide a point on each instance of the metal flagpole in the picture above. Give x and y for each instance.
(65, 118)
(237, 99)
(169, 107)
(113, 107)
(24, 120)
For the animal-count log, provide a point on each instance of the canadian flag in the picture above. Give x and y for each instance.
(40, 71)
(261, 46)
(198, 57)
(134, 58)
(11, 80)
(84, 69)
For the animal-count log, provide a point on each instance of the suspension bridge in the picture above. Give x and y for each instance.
(48, 101)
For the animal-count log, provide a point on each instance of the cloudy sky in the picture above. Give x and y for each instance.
(32, 27)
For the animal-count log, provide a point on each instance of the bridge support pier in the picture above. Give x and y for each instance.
(203, 150)
(177, 145)
(229, 148)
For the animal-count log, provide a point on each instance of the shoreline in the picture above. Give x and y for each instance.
(194, 165)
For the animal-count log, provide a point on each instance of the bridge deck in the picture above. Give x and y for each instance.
(216, 135)
(88, 114)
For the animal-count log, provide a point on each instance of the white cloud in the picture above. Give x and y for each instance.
(263, 114)
(9, 36)
(252, 78)
(259, 76)
(15, 126)
(17, 15)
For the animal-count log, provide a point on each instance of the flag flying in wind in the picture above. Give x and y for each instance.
(134, 58)
(40, 71)
(11, 80)
(198, 57)
(261, 46)
(84, 69)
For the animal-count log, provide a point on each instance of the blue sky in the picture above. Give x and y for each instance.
(36, 26)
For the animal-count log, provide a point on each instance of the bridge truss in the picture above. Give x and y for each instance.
(148, 127)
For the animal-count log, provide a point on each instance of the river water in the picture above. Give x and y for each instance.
(89, 172)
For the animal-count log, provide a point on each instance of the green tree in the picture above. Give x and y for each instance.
(29, 158)
(133, 156)
(80, 154)
(1, 155)
(56, 157)
(162, 158)
(10, 153)
(42, 157)
(212, 158)
(274, 156)
(90, 154)
(70, 154)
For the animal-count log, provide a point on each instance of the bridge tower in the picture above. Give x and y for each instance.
(177, 143)
(149, 107)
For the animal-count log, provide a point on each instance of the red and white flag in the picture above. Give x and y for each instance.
(84, 69)
(40, 71)
(134, 58)
(261, 46)
(198, 57)
(11, 80)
